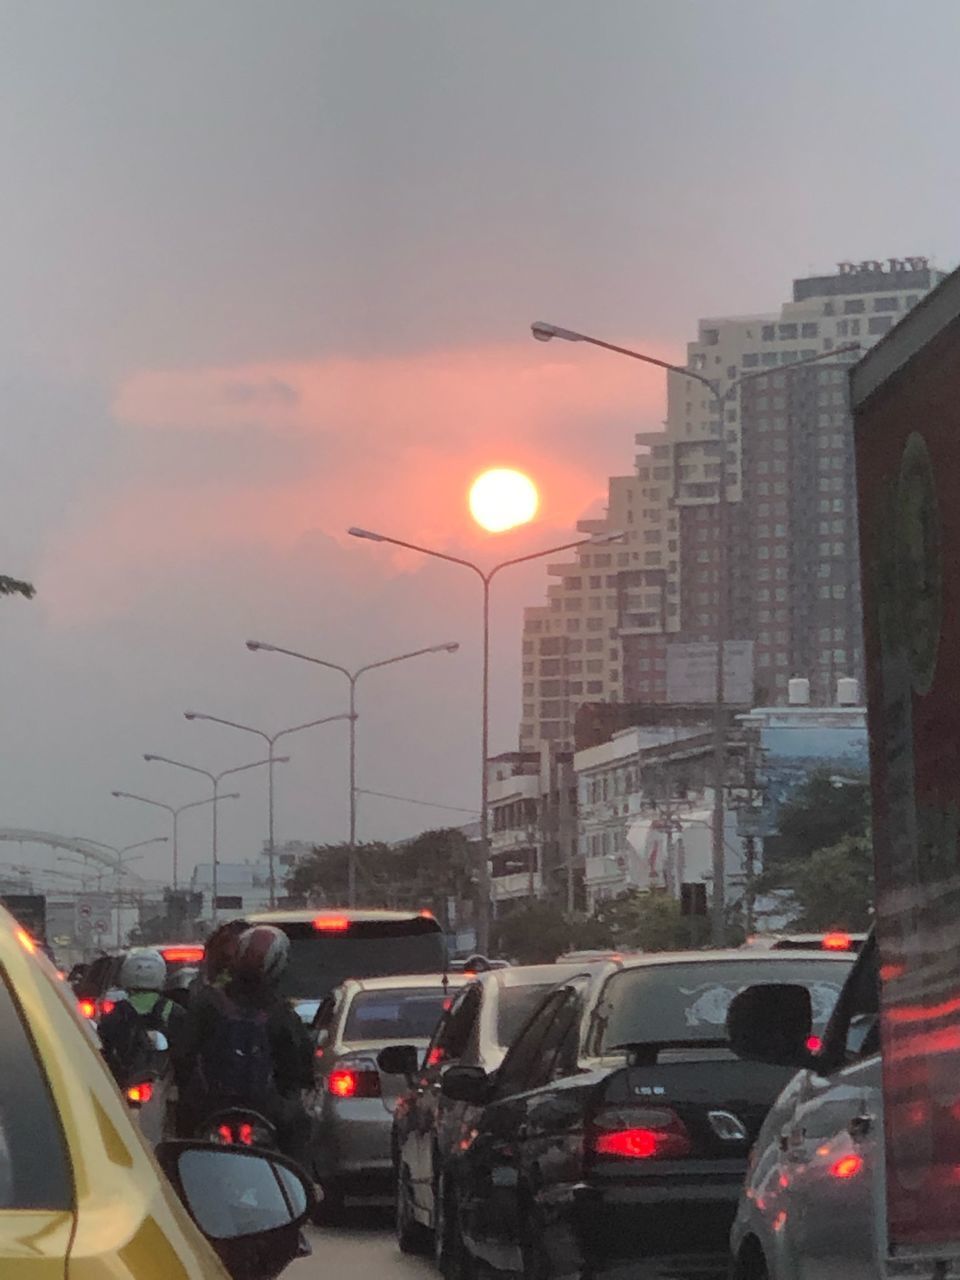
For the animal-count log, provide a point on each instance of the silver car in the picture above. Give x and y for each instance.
(354, 1100)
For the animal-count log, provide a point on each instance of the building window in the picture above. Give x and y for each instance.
(594, 686)
(886, 304)
(809, 330)
(854, 307)
(787, 330)
(768, 333)
(879, 324)
(750, 360)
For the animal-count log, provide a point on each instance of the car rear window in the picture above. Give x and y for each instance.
(411, 1013)
(320, 961)
(34, 1171)
(683, 1002)
(515, 1007)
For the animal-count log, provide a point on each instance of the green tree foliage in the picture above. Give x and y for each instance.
(14, 587)
(833, 888)
(819, 814)
(421, 874)
(534, 934)
(639, 920)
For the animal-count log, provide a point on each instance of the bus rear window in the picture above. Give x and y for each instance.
(320, 959)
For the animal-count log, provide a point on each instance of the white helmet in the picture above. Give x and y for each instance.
(143, 970)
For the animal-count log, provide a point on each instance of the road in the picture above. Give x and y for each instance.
(364, 1248)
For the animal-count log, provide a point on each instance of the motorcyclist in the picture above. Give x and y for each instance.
(243, 1046)
(123, 1031)
(220, 949)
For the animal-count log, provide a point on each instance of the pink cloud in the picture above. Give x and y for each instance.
(390, 443)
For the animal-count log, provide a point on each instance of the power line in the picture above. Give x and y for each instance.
(427, 804)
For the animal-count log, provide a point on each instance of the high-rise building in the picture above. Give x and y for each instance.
(616, 613)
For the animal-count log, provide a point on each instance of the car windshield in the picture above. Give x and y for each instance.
(677, 1003)
(320, 961)
(514, 1008)
(410, 1013)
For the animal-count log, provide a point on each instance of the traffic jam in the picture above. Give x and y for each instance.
(788, 1109)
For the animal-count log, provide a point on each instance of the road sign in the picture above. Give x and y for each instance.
(692, 673)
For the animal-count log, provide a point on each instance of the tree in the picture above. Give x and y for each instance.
(639, 920)
(833, 888)
(533, 934)
(820, 813)
(14, 587)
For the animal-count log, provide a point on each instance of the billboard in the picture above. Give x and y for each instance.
(796, 745)
(692, 673)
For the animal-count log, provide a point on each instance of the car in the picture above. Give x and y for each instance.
(812, 1204)
(354, 1099)
(476, 1031)
(331, 945)
(79, 1191)
(614, 1136)
(97, 985)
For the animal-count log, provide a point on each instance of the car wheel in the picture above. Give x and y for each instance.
(412, 1237)
(329, 1210)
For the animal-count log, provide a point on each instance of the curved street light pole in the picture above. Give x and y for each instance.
(544, 332)
(271, 740)
(352, 677)
(486, 577)
(215, 779)
(174, 812)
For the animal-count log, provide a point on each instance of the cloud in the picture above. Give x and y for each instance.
(385, 443)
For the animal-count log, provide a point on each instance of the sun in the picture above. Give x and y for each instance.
(501, 499)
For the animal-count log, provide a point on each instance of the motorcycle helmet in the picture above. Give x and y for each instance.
(143, 970)
(262, 954)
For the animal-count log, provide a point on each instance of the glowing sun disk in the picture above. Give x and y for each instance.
(501, 499)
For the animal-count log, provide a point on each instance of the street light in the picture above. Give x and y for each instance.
(352, 677)
(175, 812)
(486, 576)
(215, 780)
(544, 332)
(270, 739)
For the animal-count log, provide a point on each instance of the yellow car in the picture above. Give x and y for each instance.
(81, 1196)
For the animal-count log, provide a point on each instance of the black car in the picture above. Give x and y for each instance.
(476, 1031)
(614, 1136)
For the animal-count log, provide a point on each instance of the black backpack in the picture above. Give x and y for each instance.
(236, 1063)
(126, 1045)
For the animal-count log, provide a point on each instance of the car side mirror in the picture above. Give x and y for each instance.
(771, 1022)
(158, 1041)
(466, 1084)
(248, 1205)
(399, 1060)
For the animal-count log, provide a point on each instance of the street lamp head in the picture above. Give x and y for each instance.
(254, 645)
(354, 532)
(615, 535)
(452, 647)
(149, 757)
(190, 715)
(116, 794)
(543, 332)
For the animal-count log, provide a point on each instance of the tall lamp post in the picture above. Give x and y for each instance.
(486, 577)
(271, 740)
(544, 332)
(174, 812)
(215, 779)
(352, 677)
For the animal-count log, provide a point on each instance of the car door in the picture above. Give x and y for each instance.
(433, 1119)
(490, 1203)
(833, 1145)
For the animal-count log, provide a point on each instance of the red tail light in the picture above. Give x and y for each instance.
(846, 1167)
(140, 1093)
(435, 1056)
(245, 1134)
(225, 1133)
(182, 955)
(814, 1044)
(106, 1006)
(331, 924)
(640, 1133)
(837, 942)
(350, 1082)
(87, 1008)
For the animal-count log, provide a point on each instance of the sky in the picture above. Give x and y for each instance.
(268, 271)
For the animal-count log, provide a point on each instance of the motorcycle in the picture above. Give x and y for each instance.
(239, 1127)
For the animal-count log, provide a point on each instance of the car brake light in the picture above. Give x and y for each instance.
(814, 1044)
(435, 1056)
(245, 1133)
(640, 1134)
(331, 924)
(225, 1132)
(107, 1006)
(140, 1093)
(426, 915)
(87, 1008)
(182, 955)
(836, 942)
(349, 1082)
